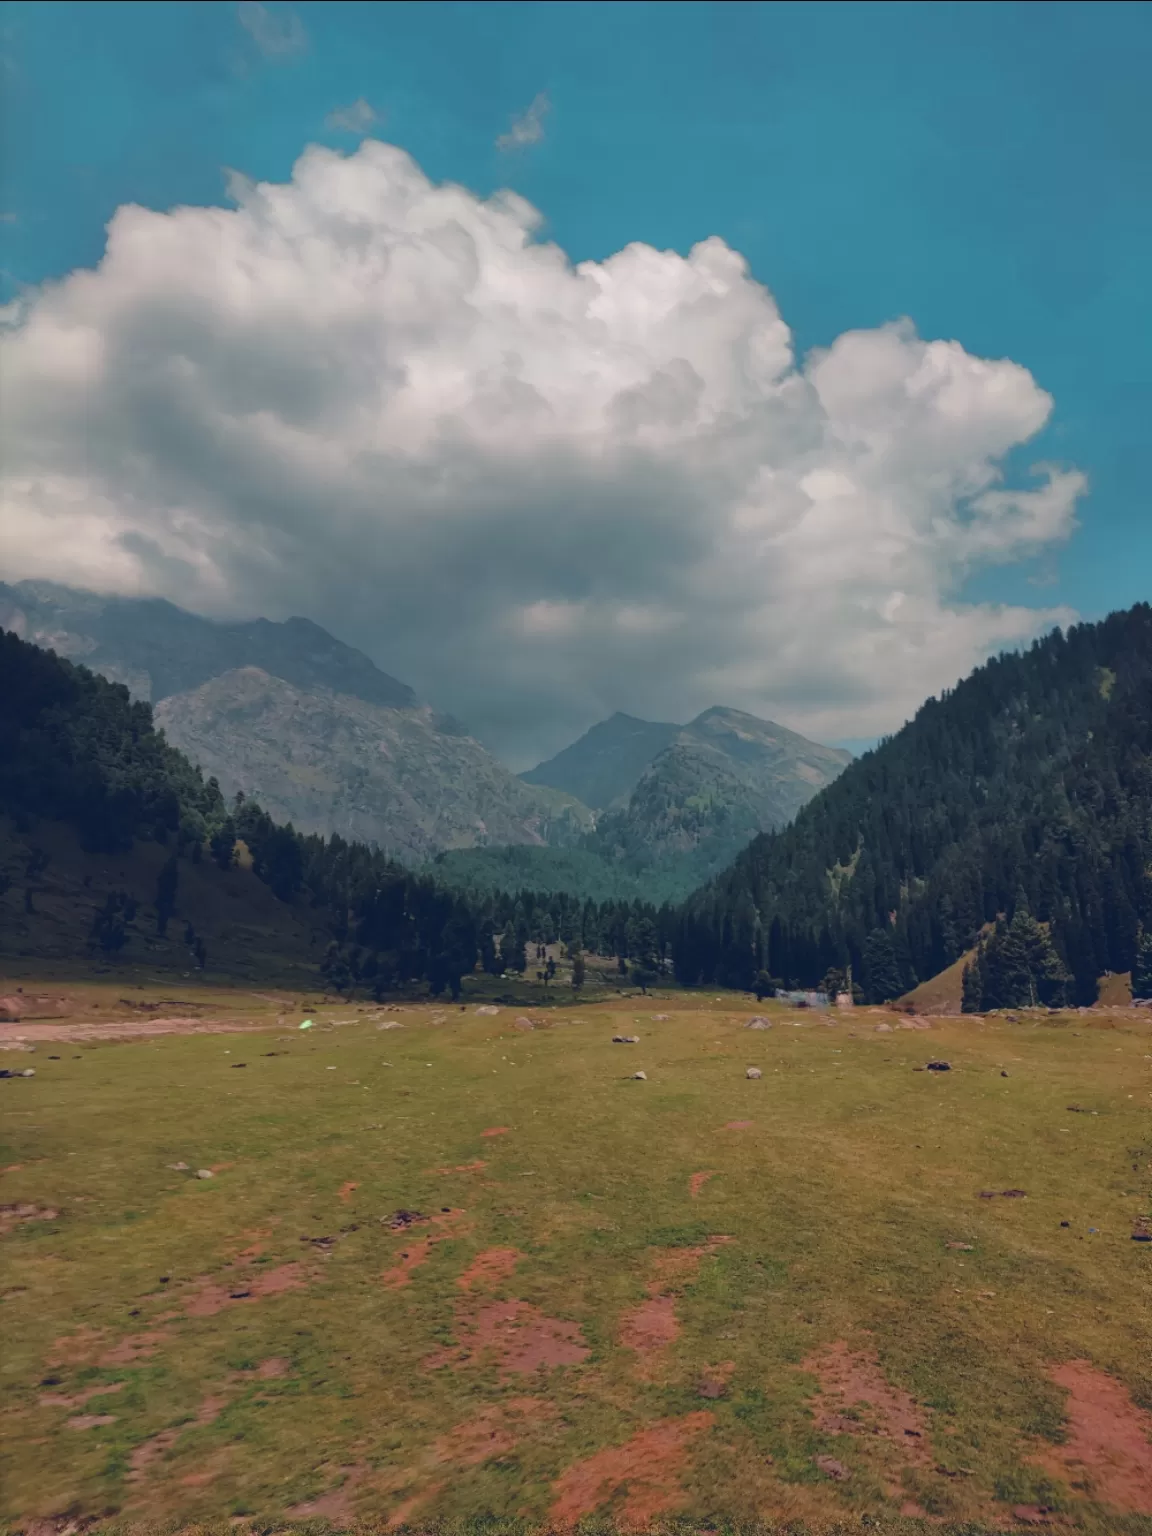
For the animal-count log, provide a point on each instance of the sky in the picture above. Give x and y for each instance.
(570, 358)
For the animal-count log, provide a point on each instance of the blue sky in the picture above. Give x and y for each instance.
(981, 168)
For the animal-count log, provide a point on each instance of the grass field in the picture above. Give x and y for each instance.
(456, 1267)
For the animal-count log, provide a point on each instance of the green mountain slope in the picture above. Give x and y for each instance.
(604, 766)
(721, 780)
(1028, 788)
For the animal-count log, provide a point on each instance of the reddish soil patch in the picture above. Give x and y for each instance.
(494, 1431)
(12, 1215)
(738, 1125)
(273, 1367)
(76, 1348)
(211, 1298)
(518, 1337)
(476, 1166)
(651, 1326)
(496, 1130)
(697, 1182)
(1109, 1444)
(403, 1513)
(648, 1466)
(488, 1269)
(858, 1400)
(336, 1503)
(346, 1191)
(78, 1399)
(137, 1346)
(714, 1381)
(413, 1256)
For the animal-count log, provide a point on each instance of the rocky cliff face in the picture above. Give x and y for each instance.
(308, 726)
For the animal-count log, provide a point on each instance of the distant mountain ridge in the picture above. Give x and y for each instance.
(308, 725)
(157, 649)
(604, 766)
(669, 822)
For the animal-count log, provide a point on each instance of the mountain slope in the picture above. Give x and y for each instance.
(115, 851)
(1028, 787)
(331, 763)
(307, 725)
(720, 780)
(604, 766)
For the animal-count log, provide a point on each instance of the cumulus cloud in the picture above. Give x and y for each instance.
(537, 491)
(357, 118)
(274, 32)
(528, 128)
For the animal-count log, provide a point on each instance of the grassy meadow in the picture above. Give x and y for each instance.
(448, 1266)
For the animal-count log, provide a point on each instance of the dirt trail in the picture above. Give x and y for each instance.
(129, 1029)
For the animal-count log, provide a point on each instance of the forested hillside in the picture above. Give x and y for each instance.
(1025, 790)
(79, 756)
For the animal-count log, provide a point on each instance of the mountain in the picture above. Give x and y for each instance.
(1022, 799)
(126, 855)
(158, 650)
(704, 794)
(335, 763)
(604, 766)
(307, 725)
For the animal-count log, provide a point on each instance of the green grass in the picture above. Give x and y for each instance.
(840, 1201)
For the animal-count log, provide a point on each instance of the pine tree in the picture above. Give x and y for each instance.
(972, 987)
(883, 981)
(166, 883)
(578, 970)
(1142, 970)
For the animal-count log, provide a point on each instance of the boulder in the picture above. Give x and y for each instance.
(753, 1072)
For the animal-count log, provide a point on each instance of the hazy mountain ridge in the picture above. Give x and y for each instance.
(309, 726)
(603, 766)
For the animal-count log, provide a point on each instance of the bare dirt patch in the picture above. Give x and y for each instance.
(346, 1191)
(857, 1399)
(650, 1327)
(136, 1346)
(90, 1420)
(489, 1269)
(78, 1399)
(697, 1182)
(476, 1166)
(517, 1338)
(14, 1214)
(648, 1466)
(336, 1504)
(495, 1431)
(1109, 1444)
(496, 1130)
(211, 1297)
(412, 1257)
(129, 1029)
(737, 1125)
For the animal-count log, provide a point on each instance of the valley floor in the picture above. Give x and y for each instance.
(420, 1264)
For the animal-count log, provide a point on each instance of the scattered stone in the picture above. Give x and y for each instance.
(1003, 1074)
(759, 1022)
(523, 1023)
(639, 1077)
(1142, 1230)
(753, 1072)
(1065, 1223)
(625, 1039)
(833, 1468)
(939, 1066)
(961, 1247)
(236, 1064)
(178, 1167)
(883, 1029)
(401, 1219)
(21, 1211)
(1032, 1514)
(205, 1173)
(661, 1017)
(488, 1010)
(1013, 1194)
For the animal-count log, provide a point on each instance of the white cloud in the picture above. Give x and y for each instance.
(274, 32)
(357, 118)
(528, 128)
(539, 492)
